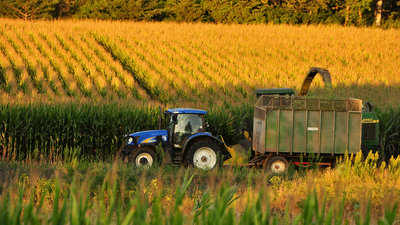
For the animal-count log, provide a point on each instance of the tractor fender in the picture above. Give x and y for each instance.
(207, 135)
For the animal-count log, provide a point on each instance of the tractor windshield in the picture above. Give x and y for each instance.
(186, 125)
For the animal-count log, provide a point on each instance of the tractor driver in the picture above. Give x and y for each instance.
(188, 128)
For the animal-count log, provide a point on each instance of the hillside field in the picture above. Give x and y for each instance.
(190, 65)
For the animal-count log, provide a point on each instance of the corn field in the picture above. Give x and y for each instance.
(190, 64)
(83, 84)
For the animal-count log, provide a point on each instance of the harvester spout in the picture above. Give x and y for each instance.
(310, 76)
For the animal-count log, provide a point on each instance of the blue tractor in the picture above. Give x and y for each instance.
(184, 141)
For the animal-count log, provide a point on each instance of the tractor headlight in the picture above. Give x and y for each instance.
(130, 139)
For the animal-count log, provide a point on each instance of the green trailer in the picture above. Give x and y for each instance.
(287, 127)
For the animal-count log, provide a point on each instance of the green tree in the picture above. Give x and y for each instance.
(235, 11)
(29, 9)
(304, 9)
(67, 8)
(249, 11)
(98, 9)
(147, 10)
(355, 10)
(185, 10)
(218, 10)
(119, 9)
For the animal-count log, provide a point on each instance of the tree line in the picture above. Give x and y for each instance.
(384, 13)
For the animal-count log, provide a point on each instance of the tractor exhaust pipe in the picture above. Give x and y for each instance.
(159, 119)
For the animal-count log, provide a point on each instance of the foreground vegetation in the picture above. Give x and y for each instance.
(77, 192)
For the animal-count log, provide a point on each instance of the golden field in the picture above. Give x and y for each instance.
(191, 65)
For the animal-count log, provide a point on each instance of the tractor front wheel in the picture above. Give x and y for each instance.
(124, 152)
(205, 155)
(145, 157)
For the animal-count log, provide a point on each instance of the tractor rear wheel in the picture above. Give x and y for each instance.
(145, 157)
(277, 164)
(205, 155)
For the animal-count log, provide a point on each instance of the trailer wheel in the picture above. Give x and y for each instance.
(205, 155)
(144, 157)
(277, 164)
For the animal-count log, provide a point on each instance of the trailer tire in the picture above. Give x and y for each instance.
(205, 155)
(143, 157)
(277, 164)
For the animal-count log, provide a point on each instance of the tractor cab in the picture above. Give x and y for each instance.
(181, 124)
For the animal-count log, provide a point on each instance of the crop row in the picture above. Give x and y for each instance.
(57, 62)
(190, 64)
(41, 130)
(47, 131)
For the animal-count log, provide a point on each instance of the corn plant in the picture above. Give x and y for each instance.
(39, 61)
(71, 67)
(170, 80)
(29, 65)
(86, 69)
(17, 72)
(54, 64)
(154, 90)
(99, 69)
(134, 92)
(3, 76)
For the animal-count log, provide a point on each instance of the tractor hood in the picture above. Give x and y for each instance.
(146, 137)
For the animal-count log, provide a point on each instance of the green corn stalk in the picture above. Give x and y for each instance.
(135, 93)
(30, 67)
(3, 76)
(141, 76)
(42, 66)
(16, 69)
(53, 64)
(71, 68)
(171, 82)
(85, 68)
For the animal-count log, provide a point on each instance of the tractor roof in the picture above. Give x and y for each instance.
(187, 111)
